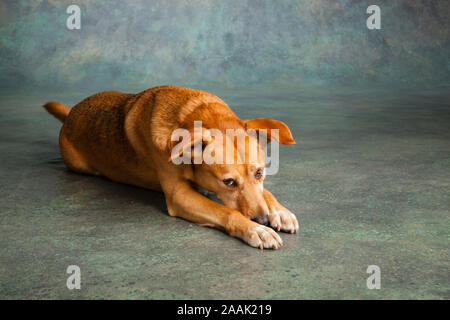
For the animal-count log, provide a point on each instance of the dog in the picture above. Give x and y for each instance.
(128, 138)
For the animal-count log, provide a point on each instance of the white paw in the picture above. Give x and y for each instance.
(263, 237)
(283, 220)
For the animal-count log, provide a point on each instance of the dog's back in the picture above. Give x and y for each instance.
(113, 133)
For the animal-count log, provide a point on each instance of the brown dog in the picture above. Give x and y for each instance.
(127, 138)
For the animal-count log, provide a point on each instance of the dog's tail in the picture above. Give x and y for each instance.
(59, 110)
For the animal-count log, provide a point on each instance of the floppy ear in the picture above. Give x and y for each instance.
(186, 143)
(284, 137)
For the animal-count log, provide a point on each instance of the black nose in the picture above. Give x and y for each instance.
(262, 219)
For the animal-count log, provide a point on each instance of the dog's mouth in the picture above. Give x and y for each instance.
(262, 219)
(204, 192)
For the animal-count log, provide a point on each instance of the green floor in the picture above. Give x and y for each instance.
(369, 181)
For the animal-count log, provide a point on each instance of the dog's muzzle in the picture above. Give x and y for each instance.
(262, 219)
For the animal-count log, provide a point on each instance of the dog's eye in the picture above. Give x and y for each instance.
(259, 174)
(230, 183)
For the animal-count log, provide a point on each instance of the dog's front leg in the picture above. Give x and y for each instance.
(280, 218)
(185, 202)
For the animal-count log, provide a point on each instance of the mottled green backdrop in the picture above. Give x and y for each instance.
(368, 178)
(233, 43)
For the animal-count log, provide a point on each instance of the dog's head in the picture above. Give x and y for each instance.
(232, 163)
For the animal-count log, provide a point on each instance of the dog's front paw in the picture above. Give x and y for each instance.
(263, 237)
(284, 220)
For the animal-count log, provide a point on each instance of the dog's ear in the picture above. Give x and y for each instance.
(284, 137)
(183, 144)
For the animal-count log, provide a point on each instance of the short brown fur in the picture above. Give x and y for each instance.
(127, 138)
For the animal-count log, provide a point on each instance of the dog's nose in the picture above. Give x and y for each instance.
(262, 219)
